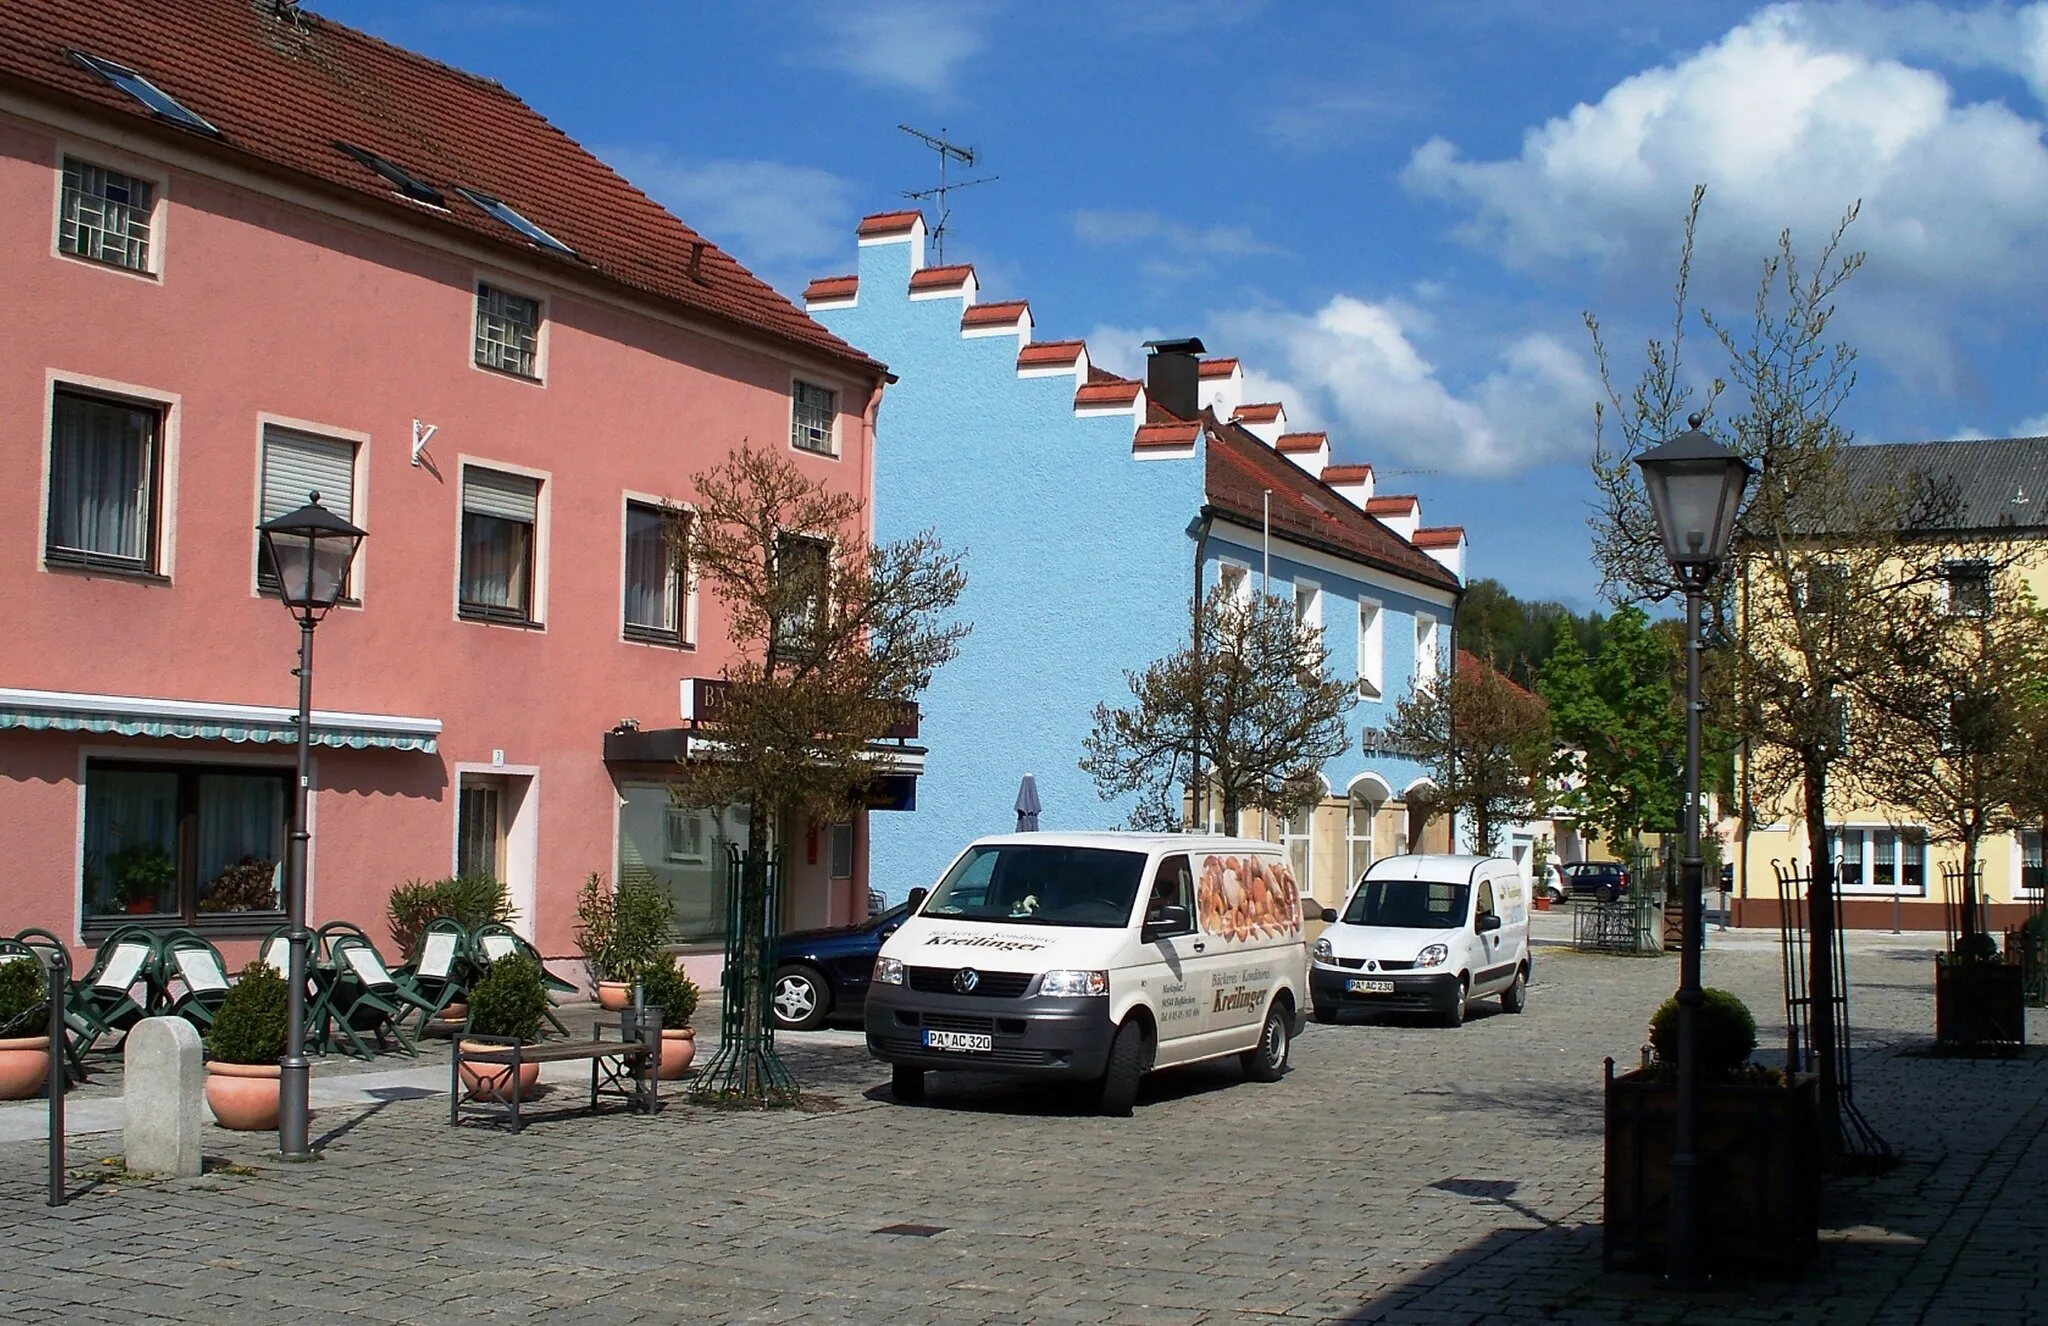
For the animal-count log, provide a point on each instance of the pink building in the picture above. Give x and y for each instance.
(248, 253)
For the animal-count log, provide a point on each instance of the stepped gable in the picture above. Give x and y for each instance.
(283, 90)
(1441, 536)
(1241, 468)
(1336, 474)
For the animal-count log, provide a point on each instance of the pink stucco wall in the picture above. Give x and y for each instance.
(267, 307)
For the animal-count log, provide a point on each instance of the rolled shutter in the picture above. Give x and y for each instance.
(296, 464)
(506, 496)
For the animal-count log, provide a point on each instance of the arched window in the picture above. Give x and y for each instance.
(1368, 795)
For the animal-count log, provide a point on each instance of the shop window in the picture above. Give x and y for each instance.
(842, 851)
(681, 850)
(192, 843)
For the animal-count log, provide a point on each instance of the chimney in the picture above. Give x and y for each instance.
(1173, 376)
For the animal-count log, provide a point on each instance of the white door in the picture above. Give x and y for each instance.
(1493, 964)
(1175, 960)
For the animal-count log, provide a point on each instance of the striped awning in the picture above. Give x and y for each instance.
(201, 720)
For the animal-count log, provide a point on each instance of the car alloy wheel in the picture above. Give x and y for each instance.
(798, 1001)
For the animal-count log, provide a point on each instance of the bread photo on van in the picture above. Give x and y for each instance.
(1095, 957)
(1425, 934)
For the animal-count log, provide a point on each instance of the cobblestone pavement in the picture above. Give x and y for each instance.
(1398, 1174)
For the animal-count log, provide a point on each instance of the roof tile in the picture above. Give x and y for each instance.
(833, 287)
(1218, 368)
(887, 223)
(1167, 435)
(1346, 474)
(1440, 536)
(1398, 504)
(1299, 443)
(1051, 354)
(941, 278)
(1108, 390)
(282, 91)
(1265, 413)
(1003, 313)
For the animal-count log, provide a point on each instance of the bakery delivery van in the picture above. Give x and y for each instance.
(1096, 957)
(1425, 934)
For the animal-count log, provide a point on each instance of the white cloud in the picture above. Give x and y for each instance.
(1121, 350)
(2037, 426)
(1356, 367)
(1787, 119)
(767, 214)
(914, 44)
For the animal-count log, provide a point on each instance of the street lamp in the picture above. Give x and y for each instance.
(309, 551)
(1695, 487)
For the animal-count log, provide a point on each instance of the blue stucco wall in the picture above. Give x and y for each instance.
(1077, 557)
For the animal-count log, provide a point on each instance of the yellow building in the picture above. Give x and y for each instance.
(1889, 870)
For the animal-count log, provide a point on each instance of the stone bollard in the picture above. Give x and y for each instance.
(165, 1079)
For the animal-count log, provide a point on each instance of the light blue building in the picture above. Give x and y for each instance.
(1081, 502)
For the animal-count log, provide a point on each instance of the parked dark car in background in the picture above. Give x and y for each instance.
(1605, 880)
(823, 974)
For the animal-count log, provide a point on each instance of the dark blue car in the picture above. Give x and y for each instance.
(823, 974)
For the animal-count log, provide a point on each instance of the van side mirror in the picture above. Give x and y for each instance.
(917, 897)
(1489, 922)
(1171, 919)
(1329, 916)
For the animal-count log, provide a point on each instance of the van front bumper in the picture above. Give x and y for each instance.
(1035, 1037)
(1414, 992)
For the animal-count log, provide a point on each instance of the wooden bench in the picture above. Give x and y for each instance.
(624, 1069)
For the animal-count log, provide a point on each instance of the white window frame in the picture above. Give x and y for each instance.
(796, 386)
(170, 412)
(543, 314)
(1428, 660)
(1241, 592)
(1352, 840)
(1952, 571)
(686, 607)
(358, 500)
(1308, 608)
(1304, 879)
(543, 525)
(1867, 848)
(1372, 648)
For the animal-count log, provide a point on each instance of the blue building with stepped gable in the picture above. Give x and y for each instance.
(1081, 501)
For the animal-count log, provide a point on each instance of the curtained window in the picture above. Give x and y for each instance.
(654, 576)
(499, 515)
(182, 842)
(104, 457)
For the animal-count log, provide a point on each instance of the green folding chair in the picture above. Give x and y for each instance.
(276, 954)
(103, 1002)
(192, 962)
(443, 972)
(366, 999)
(38, 944)
(495, 939)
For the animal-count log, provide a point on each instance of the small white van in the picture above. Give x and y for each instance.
(1097, 957)
(1425, 934)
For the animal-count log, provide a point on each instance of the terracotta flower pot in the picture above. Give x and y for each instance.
(24, 1066)
(494, 1081)
(678, 1048)
(613, 996)
(455, 1012)
(141, 906)
(242, 1096)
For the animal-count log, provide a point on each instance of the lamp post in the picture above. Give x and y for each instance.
(1695, 488)
(309, 551)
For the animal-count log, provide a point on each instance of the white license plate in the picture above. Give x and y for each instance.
(966, 1041)
(1369, 987)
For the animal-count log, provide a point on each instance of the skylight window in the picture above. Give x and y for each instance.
(519, 223)
(160, 103)
(400, 178)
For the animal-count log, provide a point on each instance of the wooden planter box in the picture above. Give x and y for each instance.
(1759, 1175)
(1980, 1005)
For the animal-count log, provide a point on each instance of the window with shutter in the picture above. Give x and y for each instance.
(295, 466)
(500, 513)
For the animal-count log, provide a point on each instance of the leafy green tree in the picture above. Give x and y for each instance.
(1619, 726)
(1254, 700)
(1486, 742)
(1514, 635)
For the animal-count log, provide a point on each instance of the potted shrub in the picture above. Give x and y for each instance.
(472, 900)
(1980, 998)
(248, 886)
(242, 1049)
(622, 932)
(24, 1028)
(1759, 1155)
(666, 987)
(508, 1004)
(142, 873)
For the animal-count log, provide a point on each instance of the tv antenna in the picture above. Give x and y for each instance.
(948, 154)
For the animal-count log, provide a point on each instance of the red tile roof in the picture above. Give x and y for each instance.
(1258, 414)
(1346, 474)
(1218, 368)
(1051, 354)
(1399, 504)
(1297, 443)
(833, 287)
(1441, 536)
(1472, 667)
(1107, 389)
(940, 278)
(1241, 469)
(1167, 435)
(887, 223)
(282, 91)
(1003, 313)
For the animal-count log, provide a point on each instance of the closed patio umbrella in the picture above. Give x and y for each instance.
(1027, 805)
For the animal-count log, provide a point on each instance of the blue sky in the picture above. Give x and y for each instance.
(1395, 214)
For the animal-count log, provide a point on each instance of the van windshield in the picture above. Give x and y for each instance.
(1409, 904)
(1017, 885)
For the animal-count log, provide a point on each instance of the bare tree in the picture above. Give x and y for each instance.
(1254, 699)
(1492, 760)
(832, 638)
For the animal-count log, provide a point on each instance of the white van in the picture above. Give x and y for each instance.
(1425, 934)
(1095, 956)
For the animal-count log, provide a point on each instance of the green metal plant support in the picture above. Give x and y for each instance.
(746, 1070)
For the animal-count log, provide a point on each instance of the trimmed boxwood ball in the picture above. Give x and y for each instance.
(249, 1027)
(510, 1000)
(24, 998)
(1727, 1033)
(664, 986)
